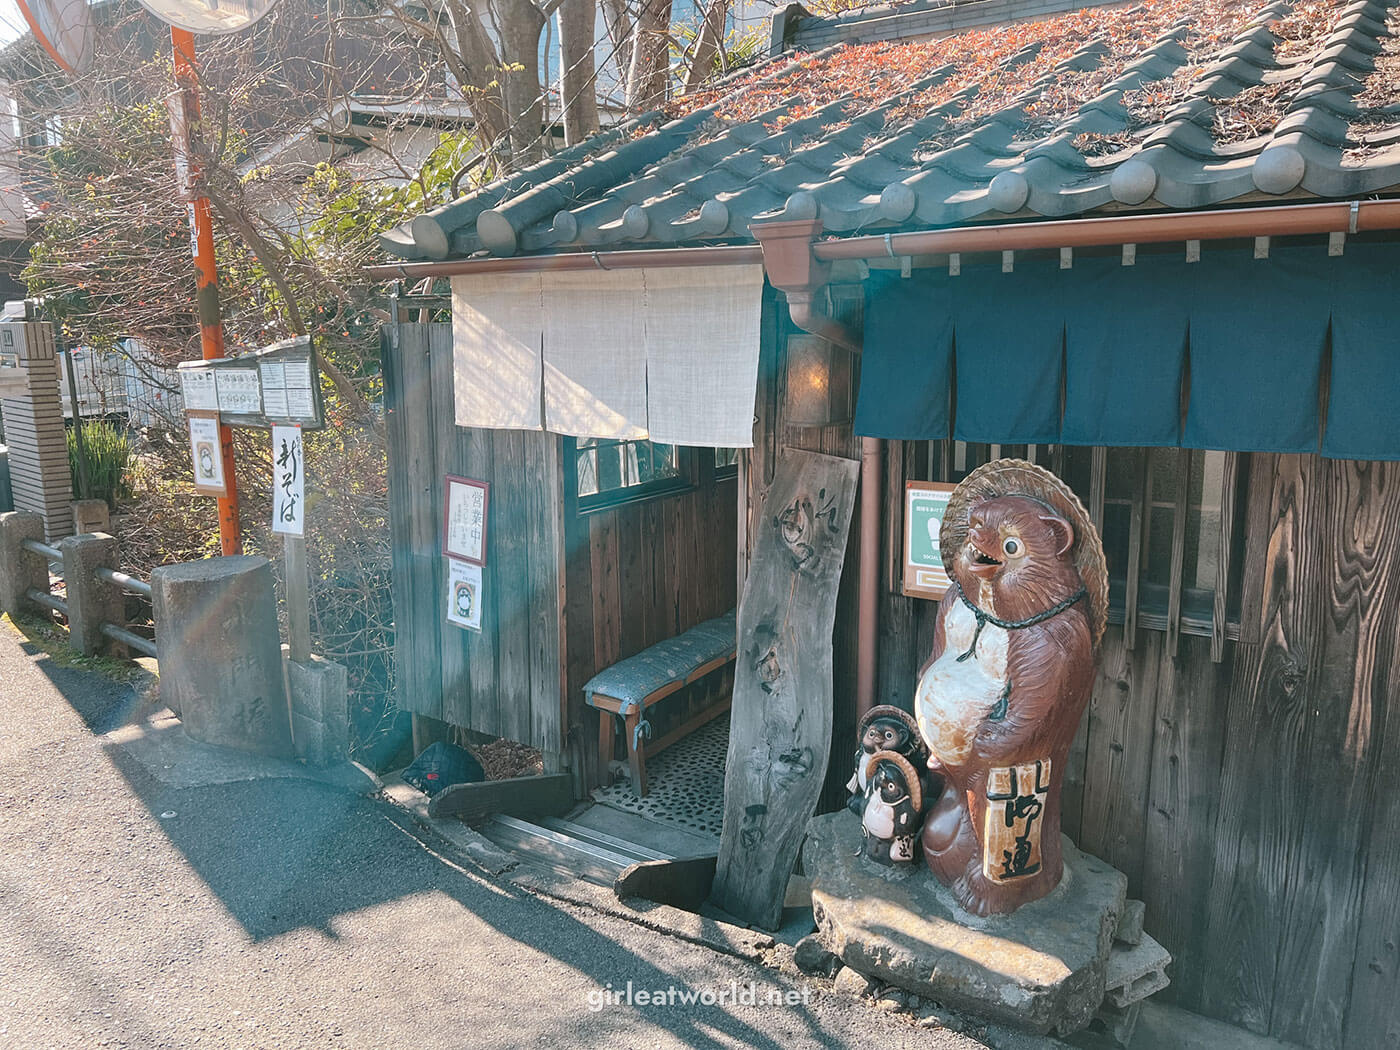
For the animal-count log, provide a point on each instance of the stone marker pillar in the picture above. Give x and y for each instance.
(91, 515)
(34, 430)
(319, 693)
(219, 652)
(90, 600)
(20, 569)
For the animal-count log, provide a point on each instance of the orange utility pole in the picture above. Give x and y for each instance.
(211, 332)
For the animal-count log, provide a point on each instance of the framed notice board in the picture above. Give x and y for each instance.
(925, 503)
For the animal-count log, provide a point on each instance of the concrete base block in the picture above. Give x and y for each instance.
(1039, 969)
(1133, 973)
(20, 570)
(319, 694)
(220, 654)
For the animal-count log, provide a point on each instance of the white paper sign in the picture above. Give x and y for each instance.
(464, 530)
(288, 481)
(274, 389)
(205, 454)
(197, 385)
(464, 594)
(301, 398)
(240, 393)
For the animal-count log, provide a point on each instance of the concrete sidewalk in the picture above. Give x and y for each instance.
(157, 894)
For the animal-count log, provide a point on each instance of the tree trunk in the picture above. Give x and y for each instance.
(578, 81)
(702, 59)
(521, 23)
(619, 24)
(646, 80)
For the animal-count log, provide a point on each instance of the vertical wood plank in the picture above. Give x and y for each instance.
(511, 601)
(481, 710)
(1263, 470)
(544, 552)
(1354, 515)
(1263, 783)
(1098, 484)
(415, 530)
(450, 442)
(1187, 749)
(1139, 526)
(1118, 759)
(1179, 513)
(1229, 484)
(607, 596)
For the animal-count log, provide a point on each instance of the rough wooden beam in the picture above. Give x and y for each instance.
(549, 795)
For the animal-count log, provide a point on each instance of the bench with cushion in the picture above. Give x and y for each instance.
(629, 687)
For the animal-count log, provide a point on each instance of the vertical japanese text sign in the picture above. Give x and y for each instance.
(288, 481)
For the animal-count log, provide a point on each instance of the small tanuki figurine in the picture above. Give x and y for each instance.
(1001, 695)
(884, 728)
(893, 805)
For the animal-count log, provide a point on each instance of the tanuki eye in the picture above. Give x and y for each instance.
(1012, 546)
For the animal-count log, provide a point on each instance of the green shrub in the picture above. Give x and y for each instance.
(108, 458)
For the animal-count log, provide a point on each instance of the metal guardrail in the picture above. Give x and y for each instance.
(134, 641)
(127, 583)
(52, 553)
(47, 600)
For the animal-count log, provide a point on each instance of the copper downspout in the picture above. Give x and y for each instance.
(793, 269)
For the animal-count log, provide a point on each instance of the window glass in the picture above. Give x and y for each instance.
(611, 471)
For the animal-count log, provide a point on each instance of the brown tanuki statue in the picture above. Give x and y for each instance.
(893, 805)
(1012, 666)
(884, 728)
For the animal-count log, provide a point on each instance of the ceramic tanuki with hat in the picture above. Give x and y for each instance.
(1000, 698)
(893, 805)
(884, 728)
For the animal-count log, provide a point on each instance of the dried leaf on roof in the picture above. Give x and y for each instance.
(1303, 29)
(1254, 111)
(1381, 88)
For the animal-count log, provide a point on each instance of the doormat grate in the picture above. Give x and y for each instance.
(686, 782)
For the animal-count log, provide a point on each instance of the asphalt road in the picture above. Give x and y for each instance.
(141, 907)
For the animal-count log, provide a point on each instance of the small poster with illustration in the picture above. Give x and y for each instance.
(464, 594)
(206, 455)
(288, 481)
(925, 503)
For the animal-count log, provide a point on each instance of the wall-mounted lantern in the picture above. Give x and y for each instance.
(819, 389)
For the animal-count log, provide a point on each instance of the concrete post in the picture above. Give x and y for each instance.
(220, 654)
(20, 570)
(319, 694)
(90, 600)
(91, 515)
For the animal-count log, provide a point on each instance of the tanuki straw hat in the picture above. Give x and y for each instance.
(911, 779)
(1016, 477)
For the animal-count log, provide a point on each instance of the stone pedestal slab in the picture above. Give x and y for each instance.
(1040, 969)
(220, 654)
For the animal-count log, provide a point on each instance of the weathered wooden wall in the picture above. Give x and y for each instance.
(638, 574)
(505, 680)
(1252, 803)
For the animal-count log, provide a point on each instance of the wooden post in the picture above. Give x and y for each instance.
(298, 598)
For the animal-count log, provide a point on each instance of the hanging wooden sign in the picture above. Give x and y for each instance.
(288, 481)
(464, 519)
(924, 505)
(206, 454)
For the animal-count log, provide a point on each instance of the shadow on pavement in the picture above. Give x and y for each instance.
(285, 853)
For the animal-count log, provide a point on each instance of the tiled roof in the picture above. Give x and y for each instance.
(1172, 104)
